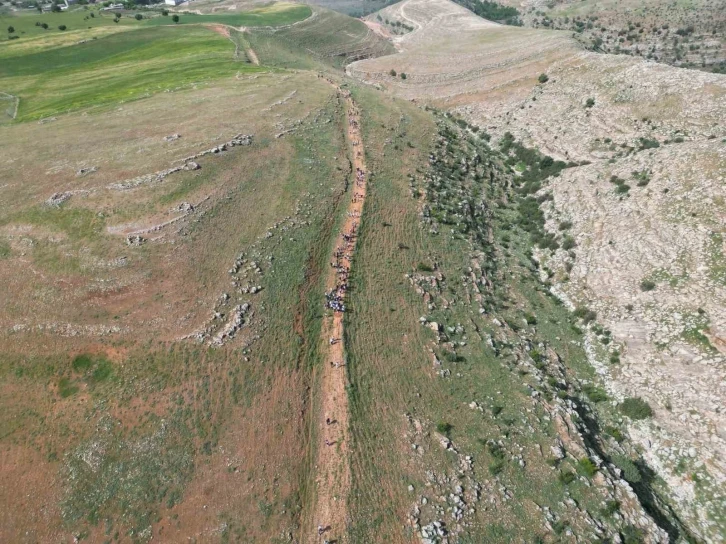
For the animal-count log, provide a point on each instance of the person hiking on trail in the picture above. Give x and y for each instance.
(327, 421)
(321, 529)
(328, 442)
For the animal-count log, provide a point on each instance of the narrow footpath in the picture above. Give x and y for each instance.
(332, 465)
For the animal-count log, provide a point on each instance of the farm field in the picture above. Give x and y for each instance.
(278, 14)
(88, 22)
(117, 68)
(275, 274)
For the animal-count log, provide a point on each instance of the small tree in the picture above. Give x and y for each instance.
(403, 75)
(62, 27)
(11, 30)
(165, 12)
(138, 16)
(44, 26)
(392, 72)
(543, 78)
(590, 103)
(175, 18)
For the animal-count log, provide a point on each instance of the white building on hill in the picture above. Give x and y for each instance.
(173, 2)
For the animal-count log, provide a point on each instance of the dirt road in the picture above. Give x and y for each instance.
(332, 467)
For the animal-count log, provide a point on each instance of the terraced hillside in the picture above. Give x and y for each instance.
(690, 34)
(325, 39)
(644, 212)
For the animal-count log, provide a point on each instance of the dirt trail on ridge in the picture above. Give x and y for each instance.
(332, 467)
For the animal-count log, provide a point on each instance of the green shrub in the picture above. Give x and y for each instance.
(615, 433)
(566, 477)
(595, 394)
(138, 16)
(581, 312)
(495, 467)
(543, 78)
(444, 428)
(610, 508)
(62, 27)
(568, 243)
(559, 526)
(81, 363)
(647, 285)
(633, 535)
(393, 73)
(587, 467)
(101, 372)
(636, 408)
(590, 102)
(622, 188)
(423, 267)
(631, 473)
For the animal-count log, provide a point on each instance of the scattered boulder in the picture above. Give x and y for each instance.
(86, 171)
(57, 199)
(134, 240)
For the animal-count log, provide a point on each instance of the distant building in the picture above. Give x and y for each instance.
(173, 2)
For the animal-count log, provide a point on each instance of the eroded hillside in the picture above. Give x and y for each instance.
(643, 213)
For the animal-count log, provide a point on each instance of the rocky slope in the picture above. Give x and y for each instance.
(646, 211)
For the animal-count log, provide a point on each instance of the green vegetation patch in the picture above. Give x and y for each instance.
(275, 15)
(112, 475)
(636, 408)
(116, 68)
(76, 223)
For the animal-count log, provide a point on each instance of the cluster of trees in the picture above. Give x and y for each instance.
(492, 11)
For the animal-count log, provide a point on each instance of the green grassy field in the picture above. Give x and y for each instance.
(276, 15)
(116, 68)
(80, 21)
(75, 21)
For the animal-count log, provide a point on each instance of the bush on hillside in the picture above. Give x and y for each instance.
(647, 285)
(444, 428)
(636, 408)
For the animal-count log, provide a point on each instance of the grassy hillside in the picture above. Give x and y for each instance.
(87, 21)
(279, 14)
(116, 68)
(184, 438)
(328, 39)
